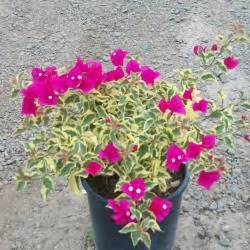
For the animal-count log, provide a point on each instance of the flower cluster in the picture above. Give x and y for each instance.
(47, 85)
(129, 126)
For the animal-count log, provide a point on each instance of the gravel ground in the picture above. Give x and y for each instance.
(161, 32)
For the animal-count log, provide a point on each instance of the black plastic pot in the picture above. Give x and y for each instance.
(106, 232)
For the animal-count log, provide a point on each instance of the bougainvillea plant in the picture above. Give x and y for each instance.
(126, 122)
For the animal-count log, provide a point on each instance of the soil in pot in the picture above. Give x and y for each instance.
(105, 185)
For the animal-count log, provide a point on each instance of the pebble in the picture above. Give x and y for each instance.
(116, 34)
(236, 172)
(213, 206)
(223, 240)
(225, 228)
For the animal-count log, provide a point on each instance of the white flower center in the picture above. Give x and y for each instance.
(179, 157)
(173, 160)
(164, 206)
(50, 97)
(40, 74)
(79, 77)
(132, 217)
(130, 189)
(114, 54)
(138, 190)
(72, 78)
(128, 213)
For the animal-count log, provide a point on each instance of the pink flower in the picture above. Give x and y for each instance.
(193, 150)
(110, 153)
(207, 179)
(231, 62)
(214, 47)
(148, 75)
(198, 49)
(187, 95)
(208, 141)
(200, 106)
(175, 157)
(92, 76)
(113, 75)
(29, 106)
(160, 207)
(121, 209)
(163, 105)
(59, 84)
(132, 66)
(93, 168)
(135, 189)
(46, 95)
(38, 74)
(175, 105)
(117, 57)
(75, 75)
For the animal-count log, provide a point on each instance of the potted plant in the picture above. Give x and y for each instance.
(131, 138)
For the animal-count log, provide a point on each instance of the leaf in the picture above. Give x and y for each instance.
(130, 227)
(128, 165)
(148, 123)
(136, 213)
(14, 92)
(228, 141)
(88, 119)
(44, 192)
(65, 171)
(146, 239)
(135, 236)
(220, 129)
(142, 150)
(216, 114)
(221, 66)
(246, 105)
(222, 95)
(149, 223)
(170, 93)
(100, 112)
(207, 77)
(21, 185)
(51, 163)
(74, 184)
(72, 98)
(49, 183)
(80, 148)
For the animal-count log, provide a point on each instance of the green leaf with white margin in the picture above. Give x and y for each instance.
(79, 148)
(130, 227)
(88, 119)
(137, 213)
(207, 77)
(136, 237)
(146, 239)
(229, 142)
(74, 183)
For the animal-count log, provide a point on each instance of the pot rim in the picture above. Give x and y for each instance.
(178, 192)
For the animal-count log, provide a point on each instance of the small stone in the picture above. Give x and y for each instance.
(223, 240)
(202, 233)
(236, 172)
(220, 206)
(213, 206)
(235, 189)
(186, 208)
(116, 34)
(248, 217)
(225, 228)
